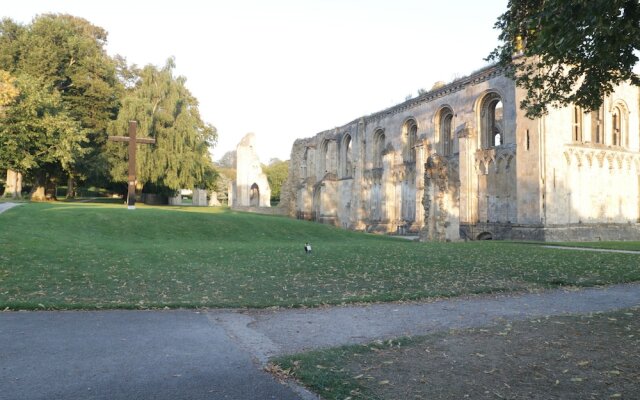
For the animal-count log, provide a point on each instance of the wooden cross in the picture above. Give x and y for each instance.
(131, 194)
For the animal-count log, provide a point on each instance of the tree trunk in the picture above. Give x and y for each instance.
(13, 186)
(38, 192)
(71, 188)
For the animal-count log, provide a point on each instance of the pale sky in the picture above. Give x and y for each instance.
(287, 69)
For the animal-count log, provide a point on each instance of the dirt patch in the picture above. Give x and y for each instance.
(591, 356)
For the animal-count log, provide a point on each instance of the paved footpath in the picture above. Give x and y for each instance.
(5, 206)
(219, 354)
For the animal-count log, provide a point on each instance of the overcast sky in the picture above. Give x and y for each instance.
(286, 69)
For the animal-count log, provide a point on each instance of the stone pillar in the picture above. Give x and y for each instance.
(421, 156)
(199, 197)
(468, 177)
(358, 190)
(439, 202)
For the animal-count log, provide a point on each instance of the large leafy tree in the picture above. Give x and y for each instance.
(67, 54)
(168, 112)
(568, 51)
(38, 135)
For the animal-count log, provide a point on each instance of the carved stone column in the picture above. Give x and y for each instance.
(468, 178)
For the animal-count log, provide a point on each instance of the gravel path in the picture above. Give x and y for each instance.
(593, 249)
(268, 333)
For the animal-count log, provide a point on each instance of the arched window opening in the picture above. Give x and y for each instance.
(497, 139)
(618, 126)
(324, 157)
(577, 124)
(346, 157)
(410, 136)
(615, 131)
(492, 121)
(446, 131)
(497, 124)
(378, 148)
(597, 126)
(254, 196)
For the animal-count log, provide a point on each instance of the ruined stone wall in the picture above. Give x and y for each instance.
(251, 187)
(463, 161)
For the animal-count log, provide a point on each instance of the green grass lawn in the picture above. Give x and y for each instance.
(81, 255)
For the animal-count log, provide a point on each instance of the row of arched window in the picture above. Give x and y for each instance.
(619, 126)
(491, 127)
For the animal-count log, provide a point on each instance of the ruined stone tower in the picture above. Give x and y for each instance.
(251, 187)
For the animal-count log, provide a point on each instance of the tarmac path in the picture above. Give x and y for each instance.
(219, 354)
(5, 206)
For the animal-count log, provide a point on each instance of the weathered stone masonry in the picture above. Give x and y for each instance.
(463, 161)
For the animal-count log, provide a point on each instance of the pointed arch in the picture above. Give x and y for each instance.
(619, 124)
(379, 144)
(409, 139)
(444, 124)
(254, 195)
(491, 121)
(346, 156)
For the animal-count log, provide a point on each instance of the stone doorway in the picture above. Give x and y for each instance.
(254, 196)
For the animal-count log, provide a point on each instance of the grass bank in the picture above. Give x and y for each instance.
(592, 356)
(82, 255)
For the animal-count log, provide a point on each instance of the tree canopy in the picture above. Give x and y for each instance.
(61, 95)
(36, 131)
(568, 51)
(62, 57)
(168, 112)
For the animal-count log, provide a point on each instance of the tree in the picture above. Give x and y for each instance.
(37, 134)
(277, 172)
(568, 51)
(228, 160)
(8, 93)
(168, 112)
(67, 54)
(83, 73)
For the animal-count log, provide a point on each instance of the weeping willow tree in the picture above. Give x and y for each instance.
(168, 112)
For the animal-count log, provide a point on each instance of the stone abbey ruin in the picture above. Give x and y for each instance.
(251, 188)
(463, 162)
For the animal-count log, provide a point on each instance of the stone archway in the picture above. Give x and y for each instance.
(254, 196)
(484, 236)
